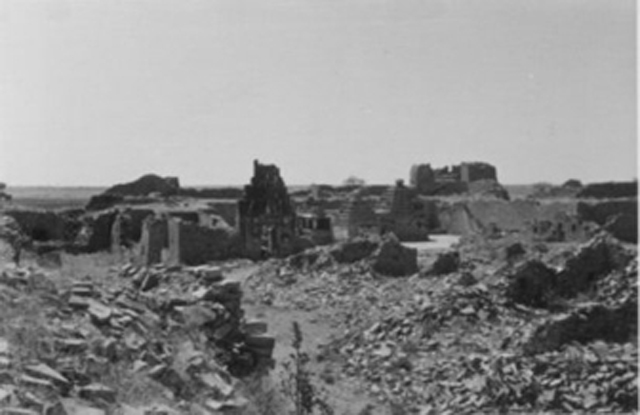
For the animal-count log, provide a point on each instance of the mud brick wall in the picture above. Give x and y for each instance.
(191, 244)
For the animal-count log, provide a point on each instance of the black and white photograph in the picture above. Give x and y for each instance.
(318, 207)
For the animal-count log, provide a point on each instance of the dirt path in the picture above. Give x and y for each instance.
(343, 394)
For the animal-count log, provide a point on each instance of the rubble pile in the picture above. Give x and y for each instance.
(451, 344)
(86, 349)
(536, 284)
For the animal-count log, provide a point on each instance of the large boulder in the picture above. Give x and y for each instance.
(394, 259)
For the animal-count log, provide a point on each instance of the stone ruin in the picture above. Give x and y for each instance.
(315, 227)
(170, 239)
(450, 180)
(266, 215)
(407, 217)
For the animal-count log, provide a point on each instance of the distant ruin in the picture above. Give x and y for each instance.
(450, 179)
(164, 223)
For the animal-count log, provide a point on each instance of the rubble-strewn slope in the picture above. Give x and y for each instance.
(461, 342)
(136, 341)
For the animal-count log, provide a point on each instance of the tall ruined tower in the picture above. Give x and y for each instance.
(266, 215)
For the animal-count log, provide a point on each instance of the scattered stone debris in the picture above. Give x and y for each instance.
(510, 341)
(188, 337)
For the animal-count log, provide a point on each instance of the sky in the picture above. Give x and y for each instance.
(98, 92)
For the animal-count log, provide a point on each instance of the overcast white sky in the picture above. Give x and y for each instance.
(96, 92)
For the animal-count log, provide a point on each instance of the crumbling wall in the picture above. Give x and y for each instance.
(100, 230)
(191, 244)
(127, 227)
(154, 239)
(44, 225)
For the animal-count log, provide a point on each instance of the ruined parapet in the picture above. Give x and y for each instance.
(266, 215)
